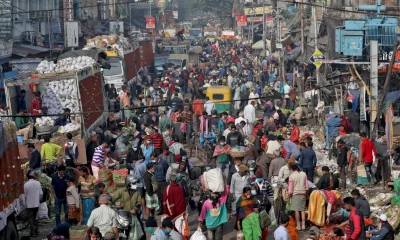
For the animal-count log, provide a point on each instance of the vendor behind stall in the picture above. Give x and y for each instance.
(64, 119)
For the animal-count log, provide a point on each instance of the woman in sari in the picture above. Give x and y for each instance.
(321, 204)
(247, 218)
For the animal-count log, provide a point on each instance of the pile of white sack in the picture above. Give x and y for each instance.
(44, 121)
(65, 65)
(57, 95)
(70, 127)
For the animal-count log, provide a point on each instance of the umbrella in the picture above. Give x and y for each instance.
(258, 45)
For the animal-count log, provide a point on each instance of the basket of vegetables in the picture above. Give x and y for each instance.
(119, 177)
(77, 232)
(238, 151)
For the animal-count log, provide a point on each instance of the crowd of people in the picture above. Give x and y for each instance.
(159, 119)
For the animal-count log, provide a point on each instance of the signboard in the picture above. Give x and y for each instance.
(175, 14)
(5, 19)
(150, 22)
(68, 10)
(72, 32)
(116, 26)
(257, 10)
(316, 58)
(363, 111)
(242, 20)
(255, 19)
(228, 33)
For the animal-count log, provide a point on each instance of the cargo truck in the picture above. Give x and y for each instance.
(122, 69)
(88, 97)
(12, 201)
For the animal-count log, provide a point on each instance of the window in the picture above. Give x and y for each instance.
(218, 96)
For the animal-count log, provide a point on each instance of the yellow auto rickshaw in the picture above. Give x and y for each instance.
(221, 96)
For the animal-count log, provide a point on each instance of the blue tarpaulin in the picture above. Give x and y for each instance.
(7, 75)
(392, 97)
(356, 100)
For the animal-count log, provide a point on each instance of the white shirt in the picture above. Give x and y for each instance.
(104, 218)
(250, 113)
(286, 89)
(239, 119)
(274, 147)
(209, 106)
(281, 233)
(33, 193)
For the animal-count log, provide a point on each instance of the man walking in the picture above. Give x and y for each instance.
(33, 194)
(368, 151)
(308, 161)
(59, 187)
(342, 161)
(250, 115)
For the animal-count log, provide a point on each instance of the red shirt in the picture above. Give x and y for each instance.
(355, 220)
(367, 147)
(198, 107)
(158, 141)
(35, 104)
(295, 135)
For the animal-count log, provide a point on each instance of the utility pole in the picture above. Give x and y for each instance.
(263, 36)
(373, 84)
(302, 26)
(315, 39)
(273, 37)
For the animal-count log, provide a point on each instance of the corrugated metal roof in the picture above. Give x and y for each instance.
(24, 50)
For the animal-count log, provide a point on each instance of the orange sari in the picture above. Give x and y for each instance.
(291, 228)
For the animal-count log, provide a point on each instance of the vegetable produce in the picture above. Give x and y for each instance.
(44, 121)
(122, 172)
(57, 95)
(118, 178)
(66, 64)
(69, 128)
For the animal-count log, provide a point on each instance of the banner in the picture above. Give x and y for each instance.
(363, 112)
(150, 22)
(242, 20)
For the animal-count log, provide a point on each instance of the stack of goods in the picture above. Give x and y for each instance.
(119, 177)
(118, 43)
(213, 180)
(58, 95)
(65, 65)
(44, 121)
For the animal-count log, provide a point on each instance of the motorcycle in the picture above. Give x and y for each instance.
(123, 222)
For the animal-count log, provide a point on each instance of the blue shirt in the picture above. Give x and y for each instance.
(291, 149)
(140, 170)
(160, 170)
(60, 187)
(381, 234)
(308, 159)
(281, 233)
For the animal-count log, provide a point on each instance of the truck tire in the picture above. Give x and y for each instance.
(11, 230)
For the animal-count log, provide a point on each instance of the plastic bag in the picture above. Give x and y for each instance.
(43, 211)
(198, 235)
(272, 216)
(239, 235)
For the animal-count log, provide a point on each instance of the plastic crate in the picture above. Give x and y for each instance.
(362, 181)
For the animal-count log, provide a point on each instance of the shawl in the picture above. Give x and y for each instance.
(245, 206)
(291, 228)
(174, 201)
(219, 150)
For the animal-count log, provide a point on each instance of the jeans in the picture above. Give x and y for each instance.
(310, 173)
(57, 204)
(215, 233)
(225, 170)
(33, 223)
(369, 172)
(210, 137)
